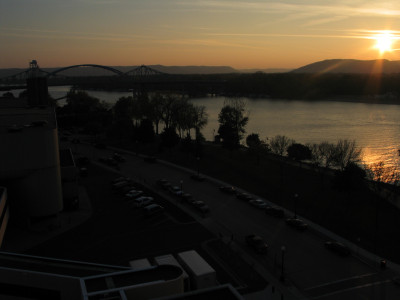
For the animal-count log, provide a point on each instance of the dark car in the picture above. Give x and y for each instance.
(186, 197)
(275, 211)
(337, 247)
(163, 183)
(244, 196)
(201, 206)
(153, 209)
(83, 171)
(118, 157)
(257, 243)
(227, 189)
(297, 223)
(197, 177)
(175, 190)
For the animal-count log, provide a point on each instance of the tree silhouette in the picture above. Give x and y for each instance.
(299, 152)
(232, 121)
(279, 144)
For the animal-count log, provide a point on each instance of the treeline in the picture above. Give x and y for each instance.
(278, 85)
(136, 118)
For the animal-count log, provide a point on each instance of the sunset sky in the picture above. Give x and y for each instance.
(237, 33)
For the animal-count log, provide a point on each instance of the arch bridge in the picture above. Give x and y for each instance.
(20, 77)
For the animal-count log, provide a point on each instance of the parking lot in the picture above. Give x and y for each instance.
(123, 233)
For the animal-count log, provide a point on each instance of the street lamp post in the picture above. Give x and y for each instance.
(283, 249)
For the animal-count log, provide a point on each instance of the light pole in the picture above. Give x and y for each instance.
(283, 249)
(198, 166)
(296, 196)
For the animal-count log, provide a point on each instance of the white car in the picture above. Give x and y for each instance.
(133, 194)
(142, 201)
(258, 203)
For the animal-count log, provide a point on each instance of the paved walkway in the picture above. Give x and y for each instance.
(19, 240)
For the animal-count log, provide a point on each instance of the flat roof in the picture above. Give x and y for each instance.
(132, 277)
(54, 266)
(16, 113)
(195, 262)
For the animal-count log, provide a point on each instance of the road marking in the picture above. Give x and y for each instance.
(339, 281)
(352, 288)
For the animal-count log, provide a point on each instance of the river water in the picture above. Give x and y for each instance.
(374, 127)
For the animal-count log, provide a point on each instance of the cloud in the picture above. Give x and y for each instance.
(323, 13)
(55, 34)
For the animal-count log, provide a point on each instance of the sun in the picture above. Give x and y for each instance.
(384, 42)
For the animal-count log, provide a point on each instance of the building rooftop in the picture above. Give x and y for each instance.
(16, 115)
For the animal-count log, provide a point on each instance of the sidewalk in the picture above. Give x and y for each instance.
(19, 240)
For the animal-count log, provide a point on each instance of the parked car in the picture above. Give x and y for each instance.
(121, 178)
(244, 196)
(163, 183)
(187, 198)
(142, 201)
(258, 203)
(257, 243)
(111, 162)
(153, 209)
(227, 189)
(134, 194)
(126, 189)
(274, 211)
(83, 171)
(175, 190)
(337, 247)
(297, 223)
(118, 157)
(201, 206)
(102, 159)
(120, 184)
(197, 177)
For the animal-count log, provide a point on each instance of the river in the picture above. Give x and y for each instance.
(374, 127)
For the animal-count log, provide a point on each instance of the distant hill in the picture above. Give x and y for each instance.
(271, 70)
(351, 66)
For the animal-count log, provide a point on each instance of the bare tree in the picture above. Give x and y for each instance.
(156, 114)
(279, 144)
(327, 152)
(346, 152)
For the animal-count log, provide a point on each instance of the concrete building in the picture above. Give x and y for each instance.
(4, 213)
(29, 158)
(32, 277)
(69, 180)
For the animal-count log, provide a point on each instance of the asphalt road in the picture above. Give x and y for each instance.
(316, 272)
